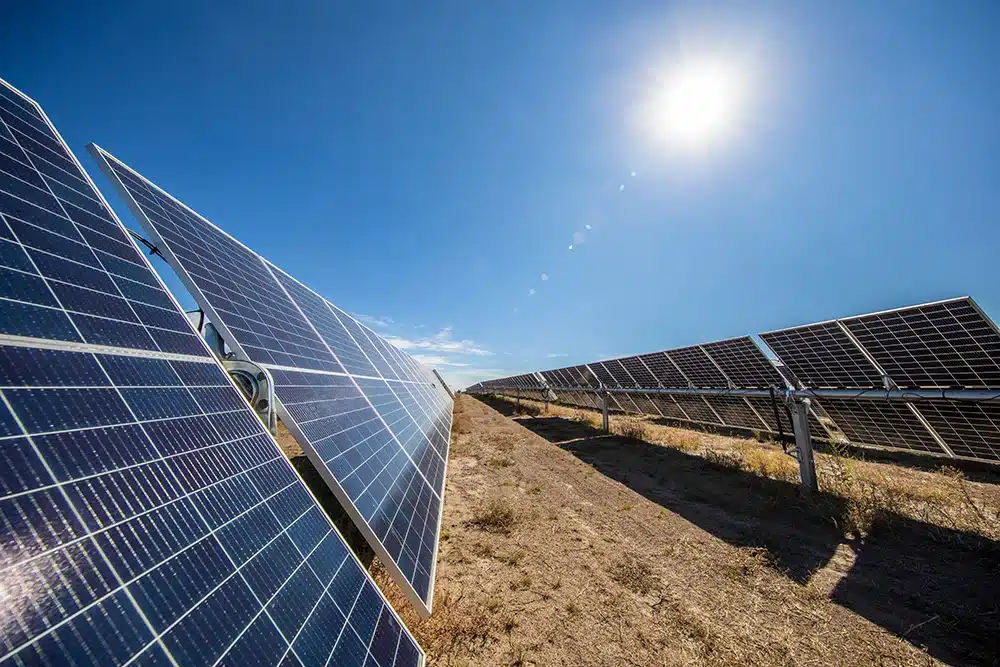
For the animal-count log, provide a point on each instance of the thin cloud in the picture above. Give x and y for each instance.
(434, 360)
(440, 342)
(545, 276)
(531, 292)
(373, 320)
(554, 355)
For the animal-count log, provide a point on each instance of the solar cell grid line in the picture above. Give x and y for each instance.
(664, 370)
(327, 323)
(602, 373)
(121, 444)
(697, 367)
(971, 430)
(736, 412)
(944, 344)
(668, 407)
(743, 363)
(301, 304)
(147, 456)
(882, 424)
(619, 373)
(697, 409)
(822, 356)
(68, 271)
(645, 405)
(229, 281)
(335, 327)
(638, 371)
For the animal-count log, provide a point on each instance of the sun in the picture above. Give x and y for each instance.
(698, 104)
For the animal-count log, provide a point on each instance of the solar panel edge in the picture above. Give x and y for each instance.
(207, 359)
(102, 157)
(424, 607)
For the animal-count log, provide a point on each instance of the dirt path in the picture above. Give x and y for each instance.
(564, 546)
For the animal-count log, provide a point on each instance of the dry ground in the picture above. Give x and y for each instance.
(565, 546)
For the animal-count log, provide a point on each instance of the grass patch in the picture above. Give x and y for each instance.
(630, 427)
(633, 573)
(497, 516)
(502, 462)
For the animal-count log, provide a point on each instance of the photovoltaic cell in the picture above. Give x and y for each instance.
(697, 367)
(638, 371)
(322, 362)
(744, 363)
(603, 374)
(148, 516)
(697, 409)
(946, 344)
(969, 429)
(880, 423)
(735, 411)
(823, 356)
(664, 370)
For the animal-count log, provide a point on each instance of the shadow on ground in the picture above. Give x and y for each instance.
(936, 588)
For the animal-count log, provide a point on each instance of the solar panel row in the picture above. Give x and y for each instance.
(945, 345)
(372, 420)
(148, 517)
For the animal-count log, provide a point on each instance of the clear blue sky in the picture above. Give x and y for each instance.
(428, 165)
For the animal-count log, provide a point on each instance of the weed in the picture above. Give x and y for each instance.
(514, 558)
(522, 583)
(497, 516)
(630, 427)
(633, 573)
(535, 490)
(626, 508)
(572, 608)
(502, 462)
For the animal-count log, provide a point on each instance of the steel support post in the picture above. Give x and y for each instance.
(605, 399)
(803, 442)
(518, 400)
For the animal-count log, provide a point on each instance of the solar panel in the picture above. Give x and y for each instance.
(618, 372)
(696, 409)
(735, 412)
(668, 407)
(328, 373)
(823, 356)
(664, 370)
(149, 518)
(638, 371)
(881, 423)
(697, 367)
(969, 429)
(743, 363)
(945, 344)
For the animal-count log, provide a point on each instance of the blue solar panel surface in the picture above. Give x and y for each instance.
(368, 416)
(148, 516)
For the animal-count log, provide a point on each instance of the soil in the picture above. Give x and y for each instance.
(562, 545)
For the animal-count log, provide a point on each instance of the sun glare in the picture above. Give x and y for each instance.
(697, 104)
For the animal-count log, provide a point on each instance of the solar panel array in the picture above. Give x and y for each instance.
(945, 345)
(373, 420)
(148, 517)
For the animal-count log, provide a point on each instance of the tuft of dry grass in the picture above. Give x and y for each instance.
(586, 418)
(633, 573)
(630, 427)
(496, 516)
(501, 462)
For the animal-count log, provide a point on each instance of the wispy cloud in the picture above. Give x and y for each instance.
(554, 355)
(462, 377)
(435, 360)
(440, 342)
(373, 320)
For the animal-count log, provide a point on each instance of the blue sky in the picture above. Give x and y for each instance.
(425, 166)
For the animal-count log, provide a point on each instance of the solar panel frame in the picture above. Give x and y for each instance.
(664, 370)
(971, 430)
(743, 363)
(823, 356)
(197, 385)
(642, 376)
(698, 367)
(942, 344)
(736, 412)
(423, 602)
(882, 424)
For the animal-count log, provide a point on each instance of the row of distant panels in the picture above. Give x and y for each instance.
(374, 422)
(947, 344)
(971, 430)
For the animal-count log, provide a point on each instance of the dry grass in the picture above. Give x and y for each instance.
(496, 516)
(633, 573)
(636, 554)
(630, 427)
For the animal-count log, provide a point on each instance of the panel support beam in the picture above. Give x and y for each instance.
(605, 399)
(803, 443)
